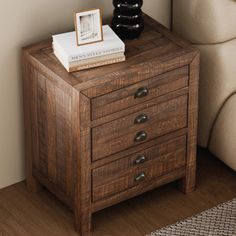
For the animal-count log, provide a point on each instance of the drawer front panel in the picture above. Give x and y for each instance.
(139, 92)
(134, 129)
(125, 173)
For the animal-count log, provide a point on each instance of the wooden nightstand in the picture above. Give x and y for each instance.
(98, 137)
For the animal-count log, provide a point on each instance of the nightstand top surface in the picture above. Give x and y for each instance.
(156, 51)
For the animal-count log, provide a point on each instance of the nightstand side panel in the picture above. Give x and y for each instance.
(50, 138)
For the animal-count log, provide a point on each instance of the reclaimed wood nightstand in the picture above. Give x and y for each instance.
(98, 137)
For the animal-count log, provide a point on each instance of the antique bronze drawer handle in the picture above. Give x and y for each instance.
(141, 92)
(140, 136)
(141, 119)
(140, 177)
(140, 160)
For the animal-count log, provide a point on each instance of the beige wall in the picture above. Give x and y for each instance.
(25, 22)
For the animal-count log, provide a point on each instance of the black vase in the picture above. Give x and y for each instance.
(128, 21)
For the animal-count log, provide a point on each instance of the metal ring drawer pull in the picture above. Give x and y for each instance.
(140, 177)
(140, 160)
(141, 119)
(140, 136)
(141, 92)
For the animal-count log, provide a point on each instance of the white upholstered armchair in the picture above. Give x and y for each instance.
(211, 26)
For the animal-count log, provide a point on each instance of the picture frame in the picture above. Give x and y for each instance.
(88, 27)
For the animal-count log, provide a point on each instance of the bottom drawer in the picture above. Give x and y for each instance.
(130, 171)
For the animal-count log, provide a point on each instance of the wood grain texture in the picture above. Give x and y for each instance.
(53, 125)
(120, 134)
(139, 107)
(147, 57)
(124, 98)
(82, 168)
(121, 175)
(26, 214)
(139, 189)
(84, 129)
(142, 71)
(116, 168)
(32, 184)
(140, 148)
(187, 184)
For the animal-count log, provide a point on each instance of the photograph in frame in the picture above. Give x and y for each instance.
(88, 25)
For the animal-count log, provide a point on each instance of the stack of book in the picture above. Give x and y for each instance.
(74, 58)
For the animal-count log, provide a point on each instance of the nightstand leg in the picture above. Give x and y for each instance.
(188, 183)
(32, 184)
(83, 223)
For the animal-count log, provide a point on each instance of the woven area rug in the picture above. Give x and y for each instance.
(218, 221)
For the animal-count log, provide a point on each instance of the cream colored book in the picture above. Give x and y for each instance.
(96, 64)
(86, 61)
(89, 63)
(96, 60)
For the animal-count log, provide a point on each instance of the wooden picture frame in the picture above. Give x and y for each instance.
(88, 27)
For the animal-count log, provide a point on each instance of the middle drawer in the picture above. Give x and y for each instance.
(139, 127)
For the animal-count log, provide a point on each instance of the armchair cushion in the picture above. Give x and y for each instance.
(205, 21)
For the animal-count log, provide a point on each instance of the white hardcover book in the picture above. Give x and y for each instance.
(66, 45)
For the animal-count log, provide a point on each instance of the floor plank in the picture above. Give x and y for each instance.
(25, 214)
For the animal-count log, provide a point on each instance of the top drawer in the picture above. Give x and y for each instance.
(139, 92)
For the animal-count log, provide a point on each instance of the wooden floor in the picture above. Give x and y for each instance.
(25, 214)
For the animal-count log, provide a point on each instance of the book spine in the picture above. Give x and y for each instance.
(113, 61)
(96, 59)
(98, 53)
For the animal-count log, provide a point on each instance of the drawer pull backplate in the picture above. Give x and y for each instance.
(140, 177)
(141, 92)
(140, 136)
(140, 160)
(141, 119)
